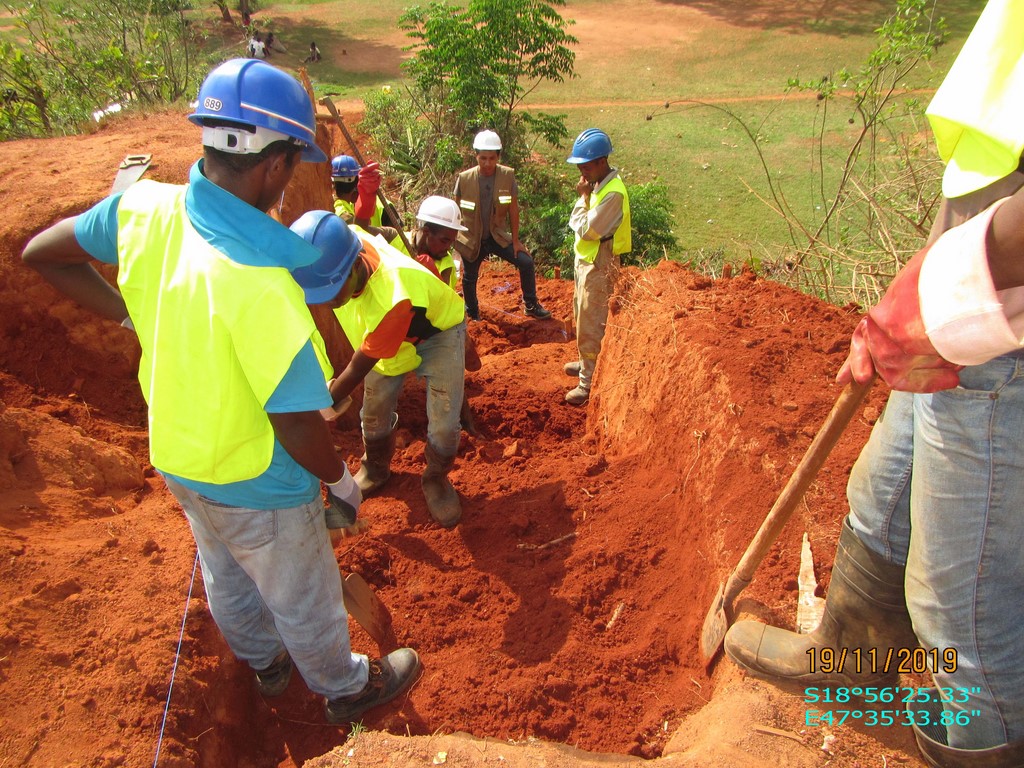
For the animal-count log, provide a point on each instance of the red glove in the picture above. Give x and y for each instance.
(368, 184)
(891, 340)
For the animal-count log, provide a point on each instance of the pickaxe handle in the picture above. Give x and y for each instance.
(388, 207)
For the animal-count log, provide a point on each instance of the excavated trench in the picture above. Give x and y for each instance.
(567, 605)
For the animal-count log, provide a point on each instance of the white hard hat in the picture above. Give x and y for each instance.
(487, 140)
(441, 211)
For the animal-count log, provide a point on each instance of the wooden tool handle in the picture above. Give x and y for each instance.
(388, 207)
(838, 418)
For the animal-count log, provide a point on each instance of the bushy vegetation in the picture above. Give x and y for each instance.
(873, 204)
(70, 59)
(471, 69)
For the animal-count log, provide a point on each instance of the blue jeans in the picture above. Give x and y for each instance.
(521, 261)
(444, 369)
(939, 488)
(272, 583)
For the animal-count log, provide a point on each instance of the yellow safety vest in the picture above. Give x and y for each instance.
(977, 115)
(468, 243)
(217, 338)
(396, 279)
(347, 212)
(622, 239)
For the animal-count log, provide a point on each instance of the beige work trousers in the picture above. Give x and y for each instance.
(593, 287)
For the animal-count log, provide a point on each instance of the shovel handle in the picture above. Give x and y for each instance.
(846, 406)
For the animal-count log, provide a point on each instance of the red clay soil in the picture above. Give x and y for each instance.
(567, 605)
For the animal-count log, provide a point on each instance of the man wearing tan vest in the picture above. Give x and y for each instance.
(489, 199)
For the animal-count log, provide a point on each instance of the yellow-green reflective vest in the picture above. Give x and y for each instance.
(347, 211)
(217, 338)
(976, 115)
(622, 239)
(396, 279)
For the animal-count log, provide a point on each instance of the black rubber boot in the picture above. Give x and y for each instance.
(442, 498)
(931, 740)
(375, 468)
(865, 611)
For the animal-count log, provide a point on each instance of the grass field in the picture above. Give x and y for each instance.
(633, 57)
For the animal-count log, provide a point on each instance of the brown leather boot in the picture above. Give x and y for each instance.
(442, 498)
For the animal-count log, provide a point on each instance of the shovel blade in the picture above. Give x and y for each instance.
(368, 611)
(716, 624)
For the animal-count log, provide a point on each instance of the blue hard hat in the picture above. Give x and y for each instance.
(590, 145)
(344, 168)
(339, 245)
(252, 93)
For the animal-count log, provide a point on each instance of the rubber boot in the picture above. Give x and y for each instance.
(865, 610)
(442, 498)
(931, 741)
(375, 467)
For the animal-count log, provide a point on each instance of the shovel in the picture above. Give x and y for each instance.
(720, 615)
(368, 611)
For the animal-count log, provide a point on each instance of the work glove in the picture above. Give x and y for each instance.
(368, 184)
(891, 341)
(343, 500)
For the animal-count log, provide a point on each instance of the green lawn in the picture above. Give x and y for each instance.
(731, 59)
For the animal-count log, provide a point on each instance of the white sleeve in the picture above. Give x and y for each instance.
(966, 319)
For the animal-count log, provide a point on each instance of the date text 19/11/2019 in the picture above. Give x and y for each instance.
(872, 661)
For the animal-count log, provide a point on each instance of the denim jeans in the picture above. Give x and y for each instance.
(594, 283)
(939, 488)
(271, 583)
(444, 369)
(521, 261)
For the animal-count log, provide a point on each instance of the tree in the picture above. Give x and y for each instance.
(474, 67)
(71, 59)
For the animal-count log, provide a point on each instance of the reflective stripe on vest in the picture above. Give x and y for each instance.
(217, 338)
(468, 243)
(622, 239)
(396, 279)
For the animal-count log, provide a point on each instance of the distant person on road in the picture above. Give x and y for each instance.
(234, 375)
(314, 54)
(600, 222)
(489, 198)
(398, 318)
(930, 552)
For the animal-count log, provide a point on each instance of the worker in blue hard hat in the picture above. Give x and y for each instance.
(399, 317)
(600, 222)
(234, 376)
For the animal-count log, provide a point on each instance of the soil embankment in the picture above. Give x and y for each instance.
(565, 608)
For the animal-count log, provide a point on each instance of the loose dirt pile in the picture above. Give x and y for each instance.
(565, 608)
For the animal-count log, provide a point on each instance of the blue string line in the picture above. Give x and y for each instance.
(177, 655)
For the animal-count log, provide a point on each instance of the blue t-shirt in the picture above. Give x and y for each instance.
(246, 236)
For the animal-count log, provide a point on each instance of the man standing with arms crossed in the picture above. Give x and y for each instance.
(489, 199)
(234, 382)
(600, 222)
